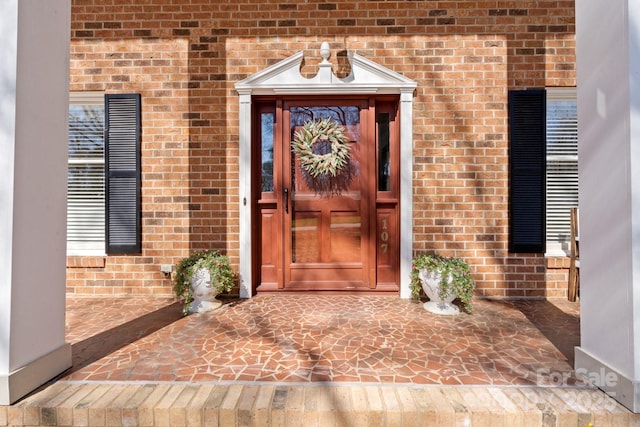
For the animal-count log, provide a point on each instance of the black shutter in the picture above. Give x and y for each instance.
(122, 164)
(527, 139)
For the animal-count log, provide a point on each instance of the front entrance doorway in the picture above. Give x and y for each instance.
(307, 239)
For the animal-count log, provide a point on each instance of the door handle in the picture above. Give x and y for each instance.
(286, 200)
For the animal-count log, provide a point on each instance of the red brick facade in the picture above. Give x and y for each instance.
(184, 57)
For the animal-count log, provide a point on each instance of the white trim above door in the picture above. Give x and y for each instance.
(366, 77)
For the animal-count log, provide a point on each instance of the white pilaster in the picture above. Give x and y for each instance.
(34, 74)
(246, 279)
(609, 161)
(406, 191)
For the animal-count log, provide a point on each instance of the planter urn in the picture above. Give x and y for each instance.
(204, 292)
(430, 281)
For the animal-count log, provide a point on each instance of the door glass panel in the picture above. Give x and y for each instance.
(384, 153)
(266, 124)
(348, 117)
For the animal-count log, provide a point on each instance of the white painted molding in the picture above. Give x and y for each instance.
(19, 383)
(617, 385)
(366, 77)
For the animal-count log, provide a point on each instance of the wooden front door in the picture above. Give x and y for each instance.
(312, 240)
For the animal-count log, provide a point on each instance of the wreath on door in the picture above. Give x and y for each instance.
(324, 154)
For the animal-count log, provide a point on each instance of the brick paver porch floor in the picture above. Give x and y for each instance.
(319, 360)
(312, 338)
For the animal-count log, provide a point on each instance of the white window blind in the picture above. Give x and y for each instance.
(86, 175)
(562, 166)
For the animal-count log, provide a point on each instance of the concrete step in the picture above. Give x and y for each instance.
(334, 404)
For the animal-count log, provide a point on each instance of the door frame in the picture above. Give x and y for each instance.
(366, 77)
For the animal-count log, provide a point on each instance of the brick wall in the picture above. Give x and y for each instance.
(185, 56)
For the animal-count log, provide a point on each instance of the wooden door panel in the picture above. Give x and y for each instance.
(387, 246)
(306, 238)
(325, 277)
(270, 254)
(345, 237)
(329, 237)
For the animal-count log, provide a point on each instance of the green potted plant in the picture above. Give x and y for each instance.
(200, 277)
(443, 279)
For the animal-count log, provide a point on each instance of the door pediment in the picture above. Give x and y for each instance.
(366, 77)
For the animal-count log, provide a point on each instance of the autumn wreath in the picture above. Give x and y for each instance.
(323, 151)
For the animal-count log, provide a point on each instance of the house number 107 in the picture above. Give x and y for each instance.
(384, 237)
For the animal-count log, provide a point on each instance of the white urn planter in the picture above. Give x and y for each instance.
(199, 278)
(430, 281)
(204, 292)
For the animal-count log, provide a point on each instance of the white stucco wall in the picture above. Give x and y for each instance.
(609, 151)
(34, 44)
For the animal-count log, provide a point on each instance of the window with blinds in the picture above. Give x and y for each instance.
(86, 175)
(562, 166)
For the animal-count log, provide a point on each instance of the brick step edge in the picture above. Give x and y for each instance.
(335, 404)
